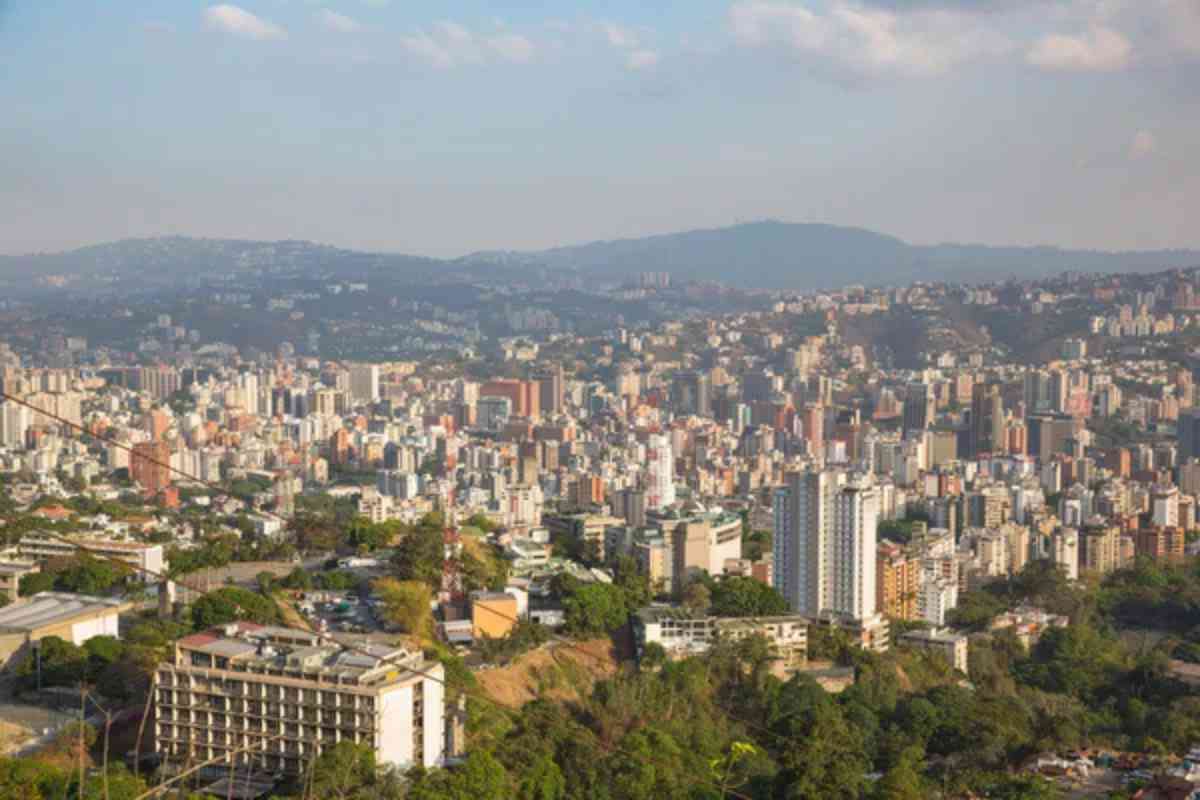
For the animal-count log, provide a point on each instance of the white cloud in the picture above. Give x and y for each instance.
(1144, 145)
(338, 23)
(240, 22)
(869, 40)
(512, 47)
(1099, 50)
(642, 59)
(449, 44)
(619, 36)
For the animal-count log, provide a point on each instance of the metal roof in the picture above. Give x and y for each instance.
(53, 608)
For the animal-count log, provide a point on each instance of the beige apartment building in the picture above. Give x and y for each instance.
(280, 697)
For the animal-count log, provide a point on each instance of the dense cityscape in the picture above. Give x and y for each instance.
(600, 400)
(871, 542)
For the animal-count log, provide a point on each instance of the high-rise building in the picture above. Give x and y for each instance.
(149, 466)
(364, 383)
(825, 543)
(660, 473)
(550, 389)
(524, 396)
(15, 420)
(986, 433)
(692, 393)
(159, 381)
(1188, 433)
(919, 407)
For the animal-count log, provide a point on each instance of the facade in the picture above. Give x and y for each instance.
(660, 473)
(282, 696)
(146, 559)
(149, 466)
(951, 646)
(493, 614)
(681, 635)
(1188, 433)
(11, 572)
(364, 383)
(897, 581)
(825, 543)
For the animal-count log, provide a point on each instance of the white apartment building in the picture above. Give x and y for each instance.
(825, 543)
(660, 473)
(364, 383)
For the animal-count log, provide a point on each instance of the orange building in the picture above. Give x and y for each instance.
(149, 466)
(525, 396)
(897, 580)
(493, 614)
(1161, 544)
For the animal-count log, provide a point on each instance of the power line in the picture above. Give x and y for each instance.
(349, 646)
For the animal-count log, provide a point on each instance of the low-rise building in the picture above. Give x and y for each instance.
(493, 614)
(11, 572)
(146, 559)
(952, 646)
(681, 633)
(74, 618)
(1029, 623)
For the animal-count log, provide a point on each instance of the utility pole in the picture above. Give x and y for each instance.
(82, 704)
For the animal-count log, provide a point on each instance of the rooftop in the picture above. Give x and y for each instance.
(53, 608)
(295, 653)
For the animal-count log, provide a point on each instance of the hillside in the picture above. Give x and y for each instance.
(555, 671)
(759, 255)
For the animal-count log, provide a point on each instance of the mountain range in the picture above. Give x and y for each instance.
(757, 255)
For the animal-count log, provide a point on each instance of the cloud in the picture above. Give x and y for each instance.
(338, 23)
(240, 22)
(1099, 50)
(1143, 146)
(868, 40)
(449, 44)
(642, 59)
(512, 47)
(619, 36)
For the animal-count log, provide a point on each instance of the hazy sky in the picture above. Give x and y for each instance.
(442, 128)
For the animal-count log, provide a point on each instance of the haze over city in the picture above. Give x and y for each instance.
(441, 129)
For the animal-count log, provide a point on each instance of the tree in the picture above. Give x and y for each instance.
(407, 604)
(697, 597)
(265, 582)
(746, 597)
(314, 532)
(230, 604)
(594, 609)
(542, 781)
(420, 555)
(86, 574)
(633, 582)
(35, 583)
(481, 777)
(29, 779)
(62, 664)
(903, 780)
(823, 756)
(345, 772)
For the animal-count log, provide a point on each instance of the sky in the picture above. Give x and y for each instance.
(446, 128)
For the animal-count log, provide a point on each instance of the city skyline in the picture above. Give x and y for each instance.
(440, 131)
